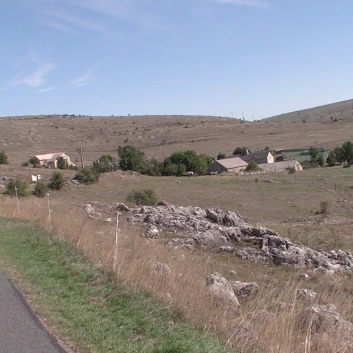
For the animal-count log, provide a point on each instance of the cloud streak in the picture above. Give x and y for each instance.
(252, 3)
(85, 79)
(36, 78)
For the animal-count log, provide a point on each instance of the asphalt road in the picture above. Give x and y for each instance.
(20, 329)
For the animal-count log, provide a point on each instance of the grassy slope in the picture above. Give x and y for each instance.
(83, 305)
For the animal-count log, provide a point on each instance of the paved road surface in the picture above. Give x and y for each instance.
(20, 330)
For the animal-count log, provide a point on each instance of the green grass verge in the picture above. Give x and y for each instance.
(85, 306)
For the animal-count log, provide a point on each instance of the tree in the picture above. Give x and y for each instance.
(33, 161)
(221, 155)
(16, 184)
(252, 167)
(4, 158)
(331, 159)
(202, 164)
(105, 163)
(313, 152)
(87, 175)
(320, 160)
(241, 150)
(347, 152)
(56, 181)
(131, 158)
(61, 163)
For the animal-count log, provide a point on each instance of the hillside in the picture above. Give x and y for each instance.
(325, 113)
(159, 136)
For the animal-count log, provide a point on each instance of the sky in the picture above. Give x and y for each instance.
(234, 58)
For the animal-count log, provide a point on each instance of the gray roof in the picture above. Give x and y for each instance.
(255, 156)
(230, 163)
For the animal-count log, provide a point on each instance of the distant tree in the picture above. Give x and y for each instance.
(267, 148)
(87, 175)
(339, 154)
(313, 152)
(347, 152)
(4, 158)
(240, 150)
(56, 181)
(32, 161)
(252, 167)
(16, 184)
(202, 164)
(221, 155)
(105, 163)
(61, 163)
(320, 160)
(131, 158)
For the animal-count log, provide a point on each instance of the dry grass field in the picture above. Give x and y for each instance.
(287, 203)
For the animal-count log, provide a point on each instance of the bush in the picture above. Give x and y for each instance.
(25, 164)
(291, 170)
(252, 167)
(87, 175)
(56, 181)
(41, 189)
(20, 185)
(324, 207)
(61, 163)
(142, 197)
(3, 158)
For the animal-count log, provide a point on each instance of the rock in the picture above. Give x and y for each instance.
(321, 317)
(162, 269)
(303, 277)
(216, 229)
(151, 232)
(91, 212)
(122, 207)
(244, 289)
(222, 290)
(306, 294)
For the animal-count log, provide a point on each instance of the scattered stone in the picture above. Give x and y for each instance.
(91, 212)
(162, 269)
(303, 277)
(222, 290)
(244, 289)
(306, 294)
(122, 207)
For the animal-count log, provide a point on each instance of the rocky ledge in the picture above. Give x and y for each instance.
(228, 232)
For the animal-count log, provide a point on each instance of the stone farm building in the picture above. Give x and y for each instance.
(235, 165)
(50, 160)
(259, 157)
(280, 166)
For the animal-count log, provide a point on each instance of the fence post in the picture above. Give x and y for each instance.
(116, 239)
(18, 202)
(49, 211)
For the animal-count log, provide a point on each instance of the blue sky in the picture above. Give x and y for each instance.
(255, 58)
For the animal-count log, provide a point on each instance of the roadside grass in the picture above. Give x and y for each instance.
(87, 307)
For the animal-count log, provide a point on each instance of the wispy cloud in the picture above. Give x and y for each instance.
(44, 90)
(36, 78)
(69, 23)
(85, 79)
(252, 3)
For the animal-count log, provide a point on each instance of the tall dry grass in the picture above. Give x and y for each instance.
(272, 322)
